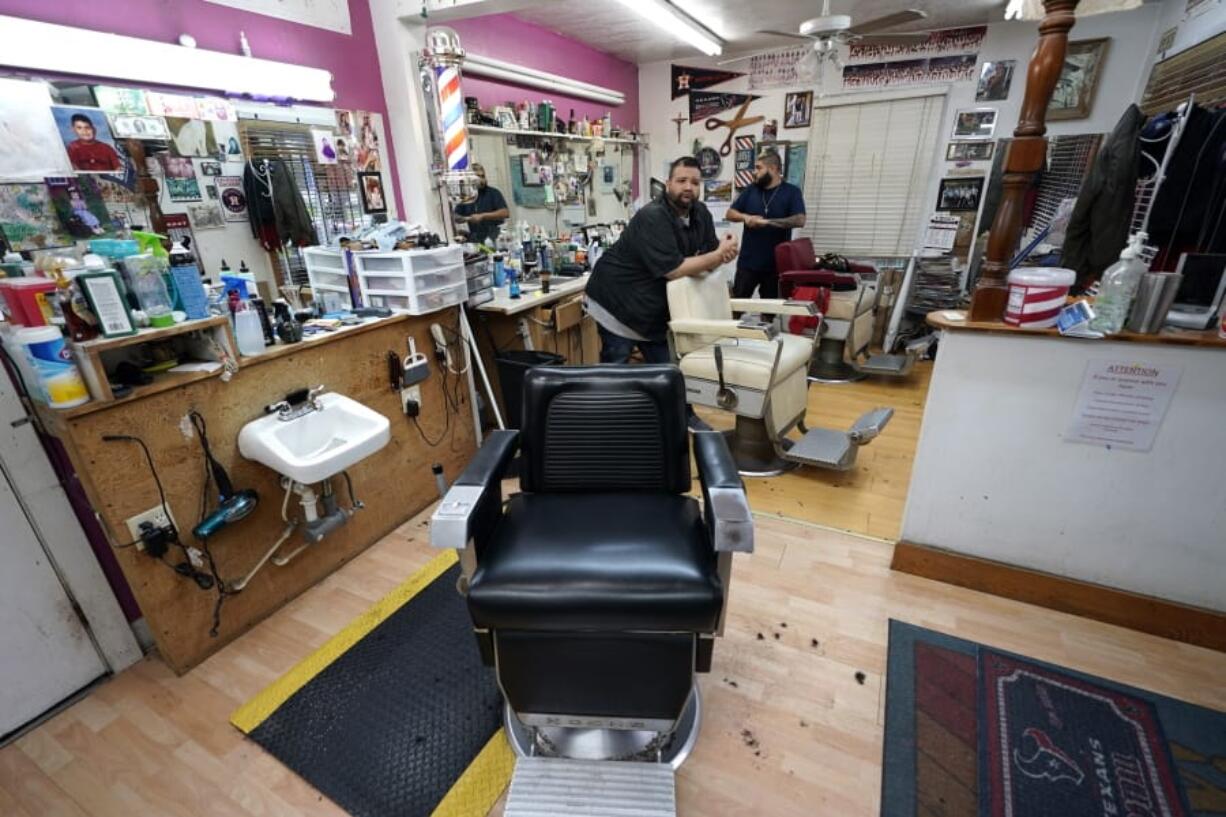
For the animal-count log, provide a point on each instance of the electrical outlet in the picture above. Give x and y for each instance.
(410, 393)
(155, 516)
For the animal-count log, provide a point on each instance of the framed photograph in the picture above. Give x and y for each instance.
(995, 78)
(87, 138)
(975, 123)
(970, 151)
(210, 168)
(1083, 66)
(373, 198)
(798, 109)
(770, 131)
(506, 118)
(191, 137)
(101, 290)
(210, 190)
(960, 194)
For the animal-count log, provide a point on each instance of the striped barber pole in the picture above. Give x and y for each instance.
(451, 117)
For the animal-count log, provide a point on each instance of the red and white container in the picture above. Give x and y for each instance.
(1036, 296)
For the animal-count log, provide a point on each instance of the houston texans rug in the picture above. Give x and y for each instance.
(974, 732)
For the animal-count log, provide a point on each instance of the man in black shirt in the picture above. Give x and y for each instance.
(671, 237)
(484, 214)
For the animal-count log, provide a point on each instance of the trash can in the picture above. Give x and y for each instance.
(512, 365)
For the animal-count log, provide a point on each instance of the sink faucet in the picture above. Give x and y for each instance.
(292, 411)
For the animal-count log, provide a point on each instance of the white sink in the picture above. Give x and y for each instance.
(318, 444)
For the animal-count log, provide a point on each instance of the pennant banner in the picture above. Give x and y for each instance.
(686, 79)
(704, 104)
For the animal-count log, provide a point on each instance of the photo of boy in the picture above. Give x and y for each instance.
(87, 137)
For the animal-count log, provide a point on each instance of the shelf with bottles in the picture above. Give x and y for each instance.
(517, 132)
(213, 343)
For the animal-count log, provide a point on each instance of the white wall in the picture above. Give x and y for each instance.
(1133, 34)
(1190, 28)
(993, 477)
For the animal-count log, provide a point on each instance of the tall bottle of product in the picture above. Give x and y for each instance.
(572, 124)
(607, 125)
(1119, 287)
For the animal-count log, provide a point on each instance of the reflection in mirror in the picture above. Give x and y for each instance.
(554, 184)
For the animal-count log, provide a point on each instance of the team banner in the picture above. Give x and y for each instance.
(686, 79)
(704, 104)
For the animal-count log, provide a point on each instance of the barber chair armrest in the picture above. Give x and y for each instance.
(775, 306)
(474, 502)
(726, 508)
(721, 328)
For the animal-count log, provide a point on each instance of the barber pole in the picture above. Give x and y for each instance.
(451, 117)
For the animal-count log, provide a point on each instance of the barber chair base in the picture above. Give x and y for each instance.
(753, 450)
(828, 365)
(575, 743)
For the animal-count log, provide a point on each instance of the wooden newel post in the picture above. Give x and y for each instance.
(1025, 158)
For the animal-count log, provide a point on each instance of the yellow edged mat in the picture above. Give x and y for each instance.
(476, 790)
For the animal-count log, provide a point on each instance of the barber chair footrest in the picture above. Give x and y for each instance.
(888, 365)
(824, 448)
(544, 786)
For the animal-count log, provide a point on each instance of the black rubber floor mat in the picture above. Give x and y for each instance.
(389, 726)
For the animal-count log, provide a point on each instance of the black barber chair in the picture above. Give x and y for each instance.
(597, 593)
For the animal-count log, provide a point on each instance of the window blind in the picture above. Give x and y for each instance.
(330, 191)
(866, 188)
(1200, 70)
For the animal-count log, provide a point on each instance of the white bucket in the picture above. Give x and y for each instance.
(1036, 296)
(59, 381)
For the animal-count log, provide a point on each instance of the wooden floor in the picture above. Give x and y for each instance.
(789, 729)
(869, 498)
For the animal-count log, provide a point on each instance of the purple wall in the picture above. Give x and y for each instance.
(352, 59)
(506, 37)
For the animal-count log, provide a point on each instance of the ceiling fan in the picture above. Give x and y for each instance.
(829, 31)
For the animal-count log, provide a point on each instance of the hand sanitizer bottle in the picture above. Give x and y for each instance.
(1119, 287)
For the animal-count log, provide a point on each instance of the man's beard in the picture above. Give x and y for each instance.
(764, 181)
(676, 201)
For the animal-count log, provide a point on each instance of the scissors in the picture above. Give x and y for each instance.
(738, 121)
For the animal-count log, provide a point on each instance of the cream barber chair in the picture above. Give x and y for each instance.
(750, 369)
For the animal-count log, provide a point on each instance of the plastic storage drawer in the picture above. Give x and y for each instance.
(420, 282)
(425, 302)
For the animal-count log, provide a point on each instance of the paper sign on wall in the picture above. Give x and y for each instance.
(1122, 403)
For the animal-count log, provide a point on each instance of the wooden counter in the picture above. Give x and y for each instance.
(503, 323)
(394, 483)
(532, 297)
(947, 319)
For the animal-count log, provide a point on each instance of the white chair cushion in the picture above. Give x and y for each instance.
(747, 363)
(843, 305)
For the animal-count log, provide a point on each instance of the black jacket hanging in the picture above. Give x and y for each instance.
(1098, 227)
(275, 208)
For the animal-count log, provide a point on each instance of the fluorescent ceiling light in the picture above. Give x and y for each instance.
(67, 50)
(676, 22)
(522, 75)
